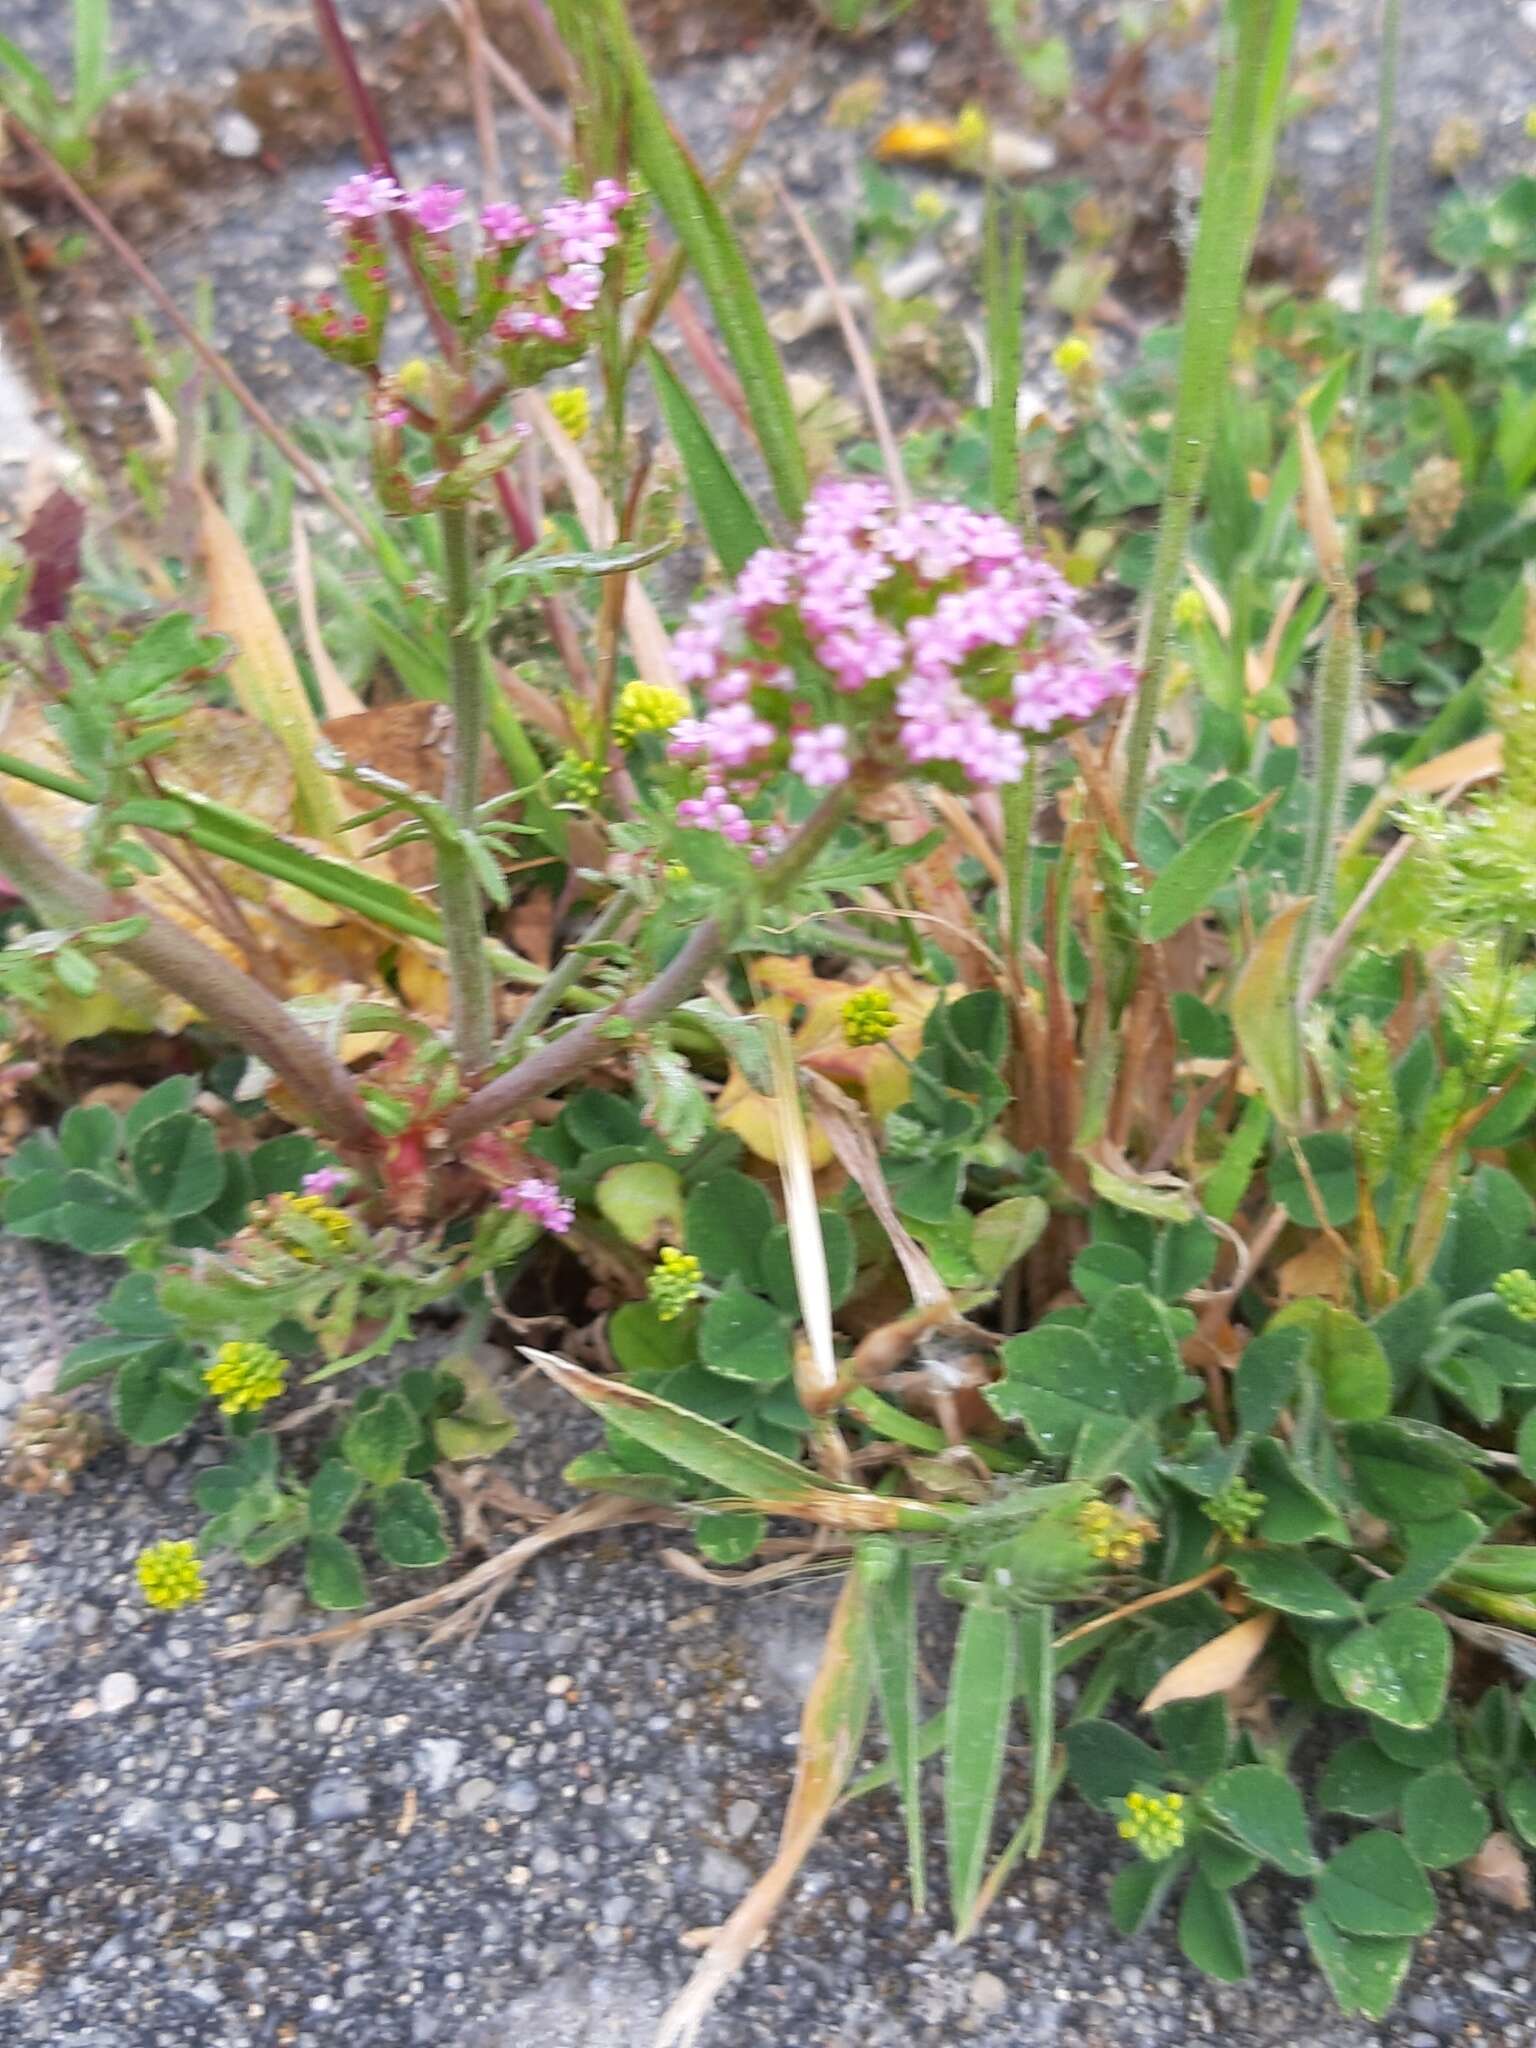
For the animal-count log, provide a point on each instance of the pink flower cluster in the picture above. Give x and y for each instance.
(943, 635)
(326, 1181)
(574, 237)
(542, 1201)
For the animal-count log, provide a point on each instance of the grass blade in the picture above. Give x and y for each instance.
(831, 1730)
(893, 1637)
(716, 255)
(1245, 120)
(729, 517)
(979, 1710)
(1037, 1688)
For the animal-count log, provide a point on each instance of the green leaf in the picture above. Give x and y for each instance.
(1211, 1931)
(88, 1135)
(778, 1269)
(98, 1215)
(408, 1526)
(333, 1573)
(378, 1440)
(1264, 1384)
(1200, 870)
(644, 1203)
(1262, 1809)
(1139, 1890)
(1330, 1157)
(157, 1394)
(1195, 1736)
(727, 514)
(740, 1469)
(94, 1358)
(1364, 1973)
(701, 227)
(1431, 1550)
(1360, 1779)
(1404, 1473)
(1346, 1356)
(641, 1342)
(285, 1529)
(1294, 1510)
(280, 1164)
(893, 1639)
(333, 1493)
(1294, 1585)
(172, 1097)
(1444, 1821)
(977, 1718)
(745, 1337)
(1264, 1015)
(177, 1165)
(1374, 1885)
(1396, 1669)
(1224, 1863)
(1106, 1761)
(1519, 1797)
(1132, 1329)
(730, 1538)
(727, 1221)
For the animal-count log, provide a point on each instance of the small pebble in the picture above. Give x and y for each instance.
(117, 1692)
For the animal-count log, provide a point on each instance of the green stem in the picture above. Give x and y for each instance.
(559, 1061)
(458, 890)
(1019, 853)
(1376, 235)
(563, 978)
(1245, 119)
(237, 1005)
(1338, 686)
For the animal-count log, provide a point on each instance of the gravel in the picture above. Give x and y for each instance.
(408, 1847)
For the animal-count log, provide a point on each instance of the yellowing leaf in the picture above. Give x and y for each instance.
(264, 675)
(1264, 1014)
(1217, 1666)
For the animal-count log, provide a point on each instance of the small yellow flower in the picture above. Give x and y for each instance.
(1112, 1538)
(245, 1377)
(170, 1575)
(336, 1223)
(929, 204)
(1074, 356)
(869, 1017)
(647, 707)
(973, 133)
(1517, 1290)
(1441, 310)
(572, 408)
(1530, 123)
(1235, 1508)
(1189, 607)
(1153, 1823)
(674, 1282)
(577, 781)
(414, 378)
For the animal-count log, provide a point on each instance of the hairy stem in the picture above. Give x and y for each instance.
(1375, 242)
(585, 1043)
(182, 964)
(1245, 119)
(1019, 855)
(458, 890)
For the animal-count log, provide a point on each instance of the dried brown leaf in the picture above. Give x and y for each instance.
(1500, 1873)
(1217, 1666)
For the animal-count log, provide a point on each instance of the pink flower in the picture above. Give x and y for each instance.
(578, 287)
(505, 224)
(820, 757)
(364, 197)
(715, 812)
(582, 230)
(436, 209)
(326, 1181)
(542, 1201)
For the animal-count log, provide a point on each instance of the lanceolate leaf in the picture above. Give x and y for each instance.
(739, 1468)
(1264, 1015)
(893, 1635)
(713, 250)
(976, 1737)
(729, 517)
(1201, 869)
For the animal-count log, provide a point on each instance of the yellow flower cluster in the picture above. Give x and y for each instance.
(170, 1575)
(1154, 1823)
(869, 1017)
(245, 1377)
(572, 408)
(336, 1223)
(646, 707)
(1235, 1508)
(1113, 1538)
(1517, 1290)
(673, 1283)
